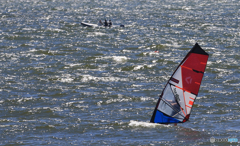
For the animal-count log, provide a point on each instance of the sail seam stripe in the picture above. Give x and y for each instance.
(192, 69)
(184, 90)
(183, 112)
(185, 102)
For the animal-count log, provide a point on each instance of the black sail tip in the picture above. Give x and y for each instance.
(197, 49)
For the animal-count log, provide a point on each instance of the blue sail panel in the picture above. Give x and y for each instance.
(162, 118)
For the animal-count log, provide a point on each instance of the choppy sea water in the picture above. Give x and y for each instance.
(65, 84)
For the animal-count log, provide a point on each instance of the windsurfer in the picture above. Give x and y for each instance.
(176, 101)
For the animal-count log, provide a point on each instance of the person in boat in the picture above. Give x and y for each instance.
(105, 23)
(100, 23)
(110, 23)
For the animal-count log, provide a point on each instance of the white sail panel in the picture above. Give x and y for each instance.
(169, 105)
(179, 94)
(176, 79)
(189, 98)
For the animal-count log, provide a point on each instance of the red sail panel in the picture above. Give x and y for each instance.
(196, 62)
(192, 72)
(191, 80)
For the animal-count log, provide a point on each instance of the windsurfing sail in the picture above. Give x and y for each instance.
(176, 101)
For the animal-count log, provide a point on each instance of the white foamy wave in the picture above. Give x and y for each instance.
(68, 80)
(77, 64)
(120, 58)
(55, 29)
(117, 100)
(87, 78)
(154, 61)
(115, 58)
(145, 124)
(128, 51)
(73, 102)
(99, 34)
(201, 97)
(29, 29)
(217, 54)
(138, 67)
(99, 103)
(146, 98)
(134, 85)
(151, 53)
(72, 65)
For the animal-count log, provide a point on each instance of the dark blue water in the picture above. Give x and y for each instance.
(65, 84)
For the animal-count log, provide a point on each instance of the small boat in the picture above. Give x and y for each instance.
(95, 25)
